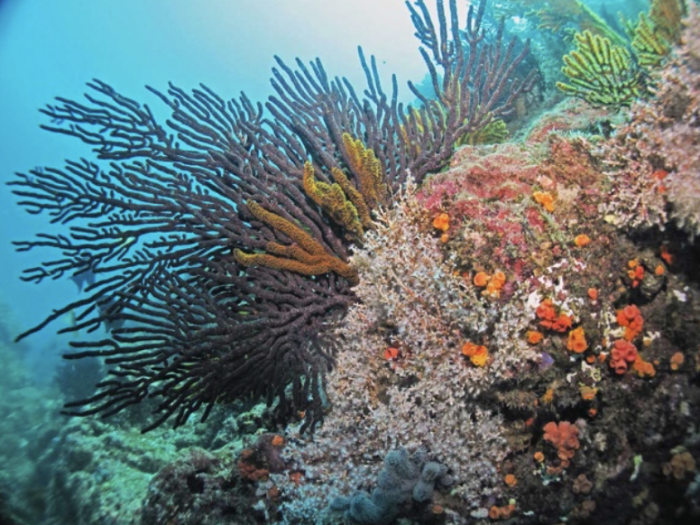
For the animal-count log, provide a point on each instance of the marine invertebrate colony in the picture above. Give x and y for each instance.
(219, 239)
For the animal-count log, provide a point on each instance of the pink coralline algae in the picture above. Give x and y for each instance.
(495, 197)
(480, 176)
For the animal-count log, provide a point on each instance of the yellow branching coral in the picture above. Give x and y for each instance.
(655, 34)
(348, 206)
(600, 73)
(649, 47)
(368, 170)
(492, 133)
(306, 256)
(333, 199)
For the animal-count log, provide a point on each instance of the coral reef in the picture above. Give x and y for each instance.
(216, 242)
(653, 160)
(475, 335)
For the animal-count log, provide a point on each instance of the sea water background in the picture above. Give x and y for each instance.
(51, 48)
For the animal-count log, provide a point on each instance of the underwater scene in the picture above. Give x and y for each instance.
(356, 263)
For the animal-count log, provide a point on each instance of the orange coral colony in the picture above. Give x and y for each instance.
(545, 199)
(631, 318)
(643, 368)
(622, 353)
(492, 283)
(442, 222)
(493, 288)
(477, 354)
(577, 341)
(549, 319)
(564, 436)
(501, 513)
(635, 272)
(582, 240)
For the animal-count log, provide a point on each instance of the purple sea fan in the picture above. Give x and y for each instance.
(219, 238)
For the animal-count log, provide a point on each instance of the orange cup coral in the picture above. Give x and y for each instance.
(631, 318)
(564, 436)
(545, 199)
(391, 353)
(582, 240)
(477, 354)
(577, 341)
(481, 279)
(549, 319)
(442, 222)
(534, 337)
(622, 353)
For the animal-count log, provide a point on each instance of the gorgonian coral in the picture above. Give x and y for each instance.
(219, 239)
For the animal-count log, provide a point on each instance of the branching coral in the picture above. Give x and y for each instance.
(429, 396)
(600, 72)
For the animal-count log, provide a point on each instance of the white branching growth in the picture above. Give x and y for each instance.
(412, 299)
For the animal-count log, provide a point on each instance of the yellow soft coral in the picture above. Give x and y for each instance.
(306, 256)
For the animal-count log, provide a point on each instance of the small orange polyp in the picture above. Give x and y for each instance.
(666, 255)
(545, 199)
(582, 240)
(442, 222)
(391, 353)
(481, 279)
(677, 360)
